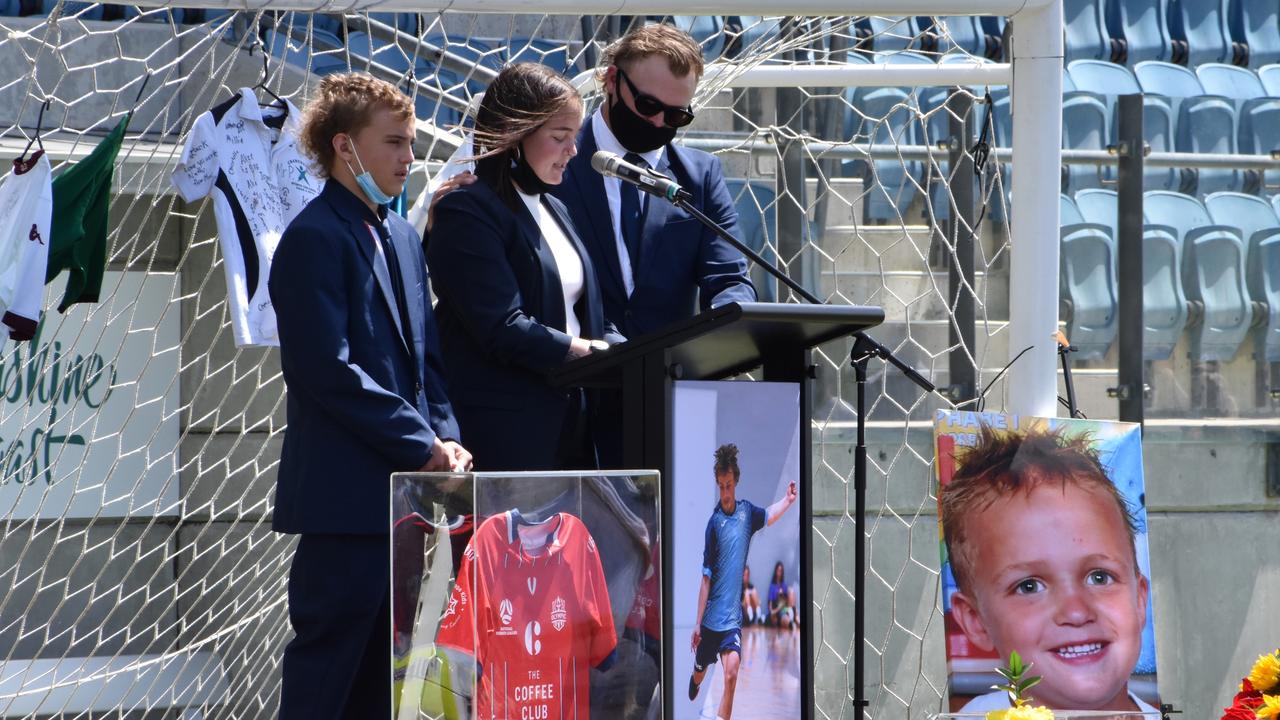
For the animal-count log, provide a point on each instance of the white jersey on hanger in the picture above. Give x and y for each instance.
(26, 202)
(259, 181)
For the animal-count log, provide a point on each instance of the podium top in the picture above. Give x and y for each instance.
(725, 341)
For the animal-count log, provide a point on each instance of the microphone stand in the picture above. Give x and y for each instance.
(864, 349)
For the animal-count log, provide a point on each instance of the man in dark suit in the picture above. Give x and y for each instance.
(652, 258)
(358, 350)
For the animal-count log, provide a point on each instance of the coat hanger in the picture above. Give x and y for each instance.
(278, 120)
(39, 126)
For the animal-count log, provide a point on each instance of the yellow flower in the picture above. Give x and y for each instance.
(1270, 707)
(1266, 672)
(1025, 712)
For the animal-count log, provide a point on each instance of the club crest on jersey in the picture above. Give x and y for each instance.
(34, 235)
(505, 611)
(558, 614)
(532, 632)
(532, 584)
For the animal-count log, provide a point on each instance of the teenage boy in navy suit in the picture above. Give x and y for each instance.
(365, 397)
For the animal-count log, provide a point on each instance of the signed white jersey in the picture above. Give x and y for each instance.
(26, 202)
(259, 182)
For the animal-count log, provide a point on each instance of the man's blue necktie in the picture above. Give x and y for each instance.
(631, 216)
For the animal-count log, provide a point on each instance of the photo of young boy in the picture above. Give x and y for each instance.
(1043, 549)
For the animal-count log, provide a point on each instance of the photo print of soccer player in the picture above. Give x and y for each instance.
(736, 488)
(1044, 549)
(522, 617)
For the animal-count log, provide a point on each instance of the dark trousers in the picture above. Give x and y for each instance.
(338, 664)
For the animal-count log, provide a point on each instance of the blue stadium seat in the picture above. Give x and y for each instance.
(755, 201)
(753, 30)
(554, 55)
(1098, 205)
(1088, 281)
(1085, 126)
(1109, 80)
(961, 31)
(1270, 77)
(1086, 30)
(886, 116)
(365, 49)
(297, 53)
(1258, 131)
(1256, 220)
(993, 27)
(1256, 25)
(1202, 26)
(888, 34)
(11, 8)
(1213, 273)
(708, 30)
(1200, 123)
(1142, 26)
(937, 129)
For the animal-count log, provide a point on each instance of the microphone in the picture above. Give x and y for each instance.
(609, 164)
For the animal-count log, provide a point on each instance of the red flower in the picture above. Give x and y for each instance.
(1247, 697)
(1238, 712)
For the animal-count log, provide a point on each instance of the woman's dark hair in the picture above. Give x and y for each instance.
(779, 574)
(520, 100)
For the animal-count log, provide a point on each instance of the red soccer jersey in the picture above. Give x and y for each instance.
(531, 603)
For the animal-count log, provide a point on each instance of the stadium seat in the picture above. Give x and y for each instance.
(1085, 126)
(755, 201)
(297, 53)
(1255, 25)
(750, 30)
(1200, 123)
(1213, 273)
(365, 49)
(708, 30)
(1142, 28)
(1098, 205)
(886, 116)
(963, 32)
(888, 34)
(1270, 77)
(147, 14)
(1256, 220)
(1201, 26)
(1087, 281)
(1086, 31)
(1109, 81)
(1258, 129)
(553, 54)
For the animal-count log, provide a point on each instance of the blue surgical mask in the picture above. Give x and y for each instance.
(366, 183)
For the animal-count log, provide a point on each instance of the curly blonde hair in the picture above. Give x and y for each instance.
(345, 103)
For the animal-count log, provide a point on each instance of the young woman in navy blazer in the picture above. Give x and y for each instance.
(518, 292)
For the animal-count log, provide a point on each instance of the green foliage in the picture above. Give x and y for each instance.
(1016, 684)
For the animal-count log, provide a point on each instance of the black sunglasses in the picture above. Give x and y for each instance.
(648, 106)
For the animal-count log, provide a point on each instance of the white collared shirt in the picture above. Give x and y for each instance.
(606, 141)
(568, 264)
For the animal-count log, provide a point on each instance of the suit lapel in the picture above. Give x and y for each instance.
(551, 310)
(412, 291)
(656, 212)
(365, 241)
(592, 196)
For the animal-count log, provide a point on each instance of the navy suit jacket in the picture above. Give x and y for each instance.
(502, 325)
(364, 399)
(682, 264)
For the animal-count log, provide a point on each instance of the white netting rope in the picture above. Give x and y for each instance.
(158, 583)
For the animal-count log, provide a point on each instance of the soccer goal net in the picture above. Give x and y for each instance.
(141, 577)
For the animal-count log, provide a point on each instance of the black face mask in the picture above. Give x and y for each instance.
(634, 132)
(525, 177)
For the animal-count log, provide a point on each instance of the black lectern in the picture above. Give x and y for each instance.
(716, 345)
